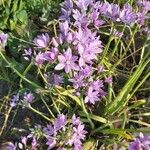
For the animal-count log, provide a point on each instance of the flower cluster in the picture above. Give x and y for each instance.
(3, 40)
(63, 133)
(23, 100)
(141, 142)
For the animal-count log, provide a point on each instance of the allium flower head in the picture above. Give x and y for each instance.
(78, 81)
(14, 100)
(126, 15)
(67, 61)
(50, 55)
(92, 96)
(49, 130)
(28, 97)
(75, 120)
(95, 19)
(64, 28)
(81, 20)
(142, 142)
(66, 10)
(42, 41)
(60, 122)
(145, 4)
(136, 145)
(112, 11)
(51, 143)
(83, 4)
(3, 39)
(40, 58)
(74, 133)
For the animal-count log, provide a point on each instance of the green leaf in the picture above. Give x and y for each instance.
(12, 24)
(15, 6)
(122, 98)
(22, 16)
(95, 117)
(68, 93)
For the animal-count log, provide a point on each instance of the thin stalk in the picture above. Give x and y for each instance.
(116, 45)
(25, 72)
(40, 72)
(141, 82)
(54, 103)
(40, 113)
(127, 48)
(87, 115)
(22, 40)
(47, 107)
(5, 121)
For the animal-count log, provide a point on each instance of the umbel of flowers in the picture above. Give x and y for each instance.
(61, 134)
(74, 54)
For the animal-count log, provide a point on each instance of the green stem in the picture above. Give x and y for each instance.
(54, 103)
(127, 48)
(18, 73)
(25, 72)
(47, 107)
(87, 115)
(116, 45)
(40, 72)
(40, 113)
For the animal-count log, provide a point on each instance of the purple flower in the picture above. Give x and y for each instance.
(108, 80)
(40, 58)
(92, 96)
(8, 146)
(51, 143)
(75, 120)
(87, 71)
(78, 81)
(27, 53)
(141, 17)
(112, 11)
(3, 39)
(81, 20)
(88, 46)
(67, 61)
(78, 134)
(96, 85)
(55, 43)
(42, 41)
(64, 28)
(34, 144)
(95, 19)
(126, 15)
(79, 130)
(53, 79)
(100, 68)
(144, 4)
(60, 122)
(83, 4)
(24, 140)
(66, 10)
(141, 142)
(136, 145)
(49, 130)
(14, 100)
(50, 55)
(57, 79)
(102, 7)
(28, 97)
